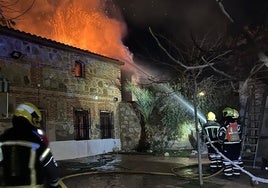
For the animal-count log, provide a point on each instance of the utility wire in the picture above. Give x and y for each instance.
(23, 13)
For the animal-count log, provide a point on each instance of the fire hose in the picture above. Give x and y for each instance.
(254, 179)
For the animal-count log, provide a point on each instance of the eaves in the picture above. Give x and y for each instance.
(54, 44)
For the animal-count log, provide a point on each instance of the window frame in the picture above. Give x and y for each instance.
(106, 124)
(79, 69)
(82, 124)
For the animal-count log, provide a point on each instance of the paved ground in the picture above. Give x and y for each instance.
(142, 171)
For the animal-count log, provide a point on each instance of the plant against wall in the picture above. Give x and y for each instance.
(145, 103)
(172, 116)
(168, 116)
(162, 118)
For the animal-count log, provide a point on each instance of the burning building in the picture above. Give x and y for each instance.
(77, 91)
(52, 60)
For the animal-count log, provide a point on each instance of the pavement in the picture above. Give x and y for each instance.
(134, 170)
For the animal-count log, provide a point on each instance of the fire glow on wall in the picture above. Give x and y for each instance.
(93, 25)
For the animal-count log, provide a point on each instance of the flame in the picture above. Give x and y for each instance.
(86, 24)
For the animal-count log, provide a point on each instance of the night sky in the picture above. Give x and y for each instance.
(175, 19)
(171, 18)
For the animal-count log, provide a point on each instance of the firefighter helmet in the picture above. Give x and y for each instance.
(211, 116)
(29, 112)
(228, 112)
(235, 114)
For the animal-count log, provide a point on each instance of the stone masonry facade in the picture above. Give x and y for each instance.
(44, 74)
(130, 127)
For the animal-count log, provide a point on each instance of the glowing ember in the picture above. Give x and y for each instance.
(86, 24)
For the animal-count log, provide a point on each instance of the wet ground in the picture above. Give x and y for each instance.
(147, 171)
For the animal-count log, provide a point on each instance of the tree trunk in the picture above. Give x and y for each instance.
(143, 142)
(143, 145)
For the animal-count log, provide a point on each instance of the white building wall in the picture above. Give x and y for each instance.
(72, 149)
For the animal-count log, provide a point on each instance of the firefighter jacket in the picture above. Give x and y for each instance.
(27, 160)
(230, 132)
(210, 129)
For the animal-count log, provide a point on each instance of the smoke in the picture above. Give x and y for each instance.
(94, 25)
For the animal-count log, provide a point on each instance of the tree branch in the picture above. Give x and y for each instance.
(208, 64)
(219, 71)
(224, 11)
(248, 35)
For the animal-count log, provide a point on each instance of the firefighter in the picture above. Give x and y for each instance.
(210, 137)
(239, 162)
(27, 160)
(230, 137)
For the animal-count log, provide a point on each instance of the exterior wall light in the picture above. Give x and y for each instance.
(16, 54)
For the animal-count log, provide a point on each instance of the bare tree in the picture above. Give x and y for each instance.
(250, 34)
(202, 57)
(9, 13)
(197, 59)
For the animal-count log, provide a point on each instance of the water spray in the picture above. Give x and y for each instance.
(182, 101)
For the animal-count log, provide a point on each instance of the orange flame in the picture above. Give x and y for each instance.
(80, 23)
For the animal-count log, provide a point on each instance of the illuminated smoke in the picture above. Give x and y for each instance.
(93, 25)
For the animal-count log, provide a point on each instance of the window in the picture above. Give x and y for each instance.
(81, 124)
(106, 124)
(79, 69)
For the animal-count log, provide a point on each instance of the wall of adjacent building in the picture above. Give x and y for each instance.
(253, 113)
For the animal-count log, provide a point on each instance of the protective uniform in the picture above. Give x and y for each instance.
(210, 137)
(230, 137)
(27, 160)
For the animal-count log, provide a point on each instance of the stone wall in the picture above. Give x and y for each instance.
(44, 75)
(129, 127)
